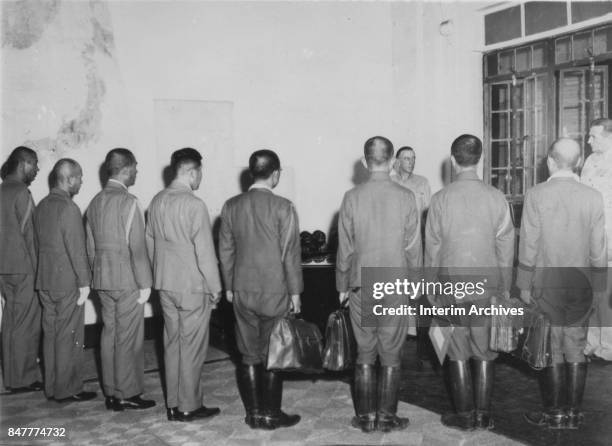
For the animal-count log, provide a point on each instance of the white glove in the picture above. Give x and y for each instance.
(296, 305)
(343, 296)
(144, 295)
(83, 295)
(229, 295)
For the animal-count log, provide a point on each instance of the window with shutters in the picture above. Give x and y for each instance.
(537, 92)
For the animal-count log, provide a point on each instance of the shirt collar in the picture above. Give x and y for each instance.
(379, 175)
(178, 184)
(112, 181)
(564, 174)
(260, 186)
(61, 192)
(467, 175)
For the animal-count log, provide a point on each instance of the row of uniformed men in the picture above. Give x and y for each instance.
(260, 263)
(47, 249)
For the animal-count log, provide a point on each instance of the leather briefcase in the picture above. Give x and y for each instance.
(534, 344)
(340, 345)
(295, 345)
(504, 331)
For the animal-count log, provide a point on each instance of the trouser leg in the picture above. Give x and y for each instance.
(129, 337)
(69, 346)
(171, 348)
(21, 329)
(107, 343)
(49, 317)
(193, 344)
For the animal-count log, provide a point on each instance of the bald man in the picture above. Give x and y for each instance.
(122, 276)
(562, 260)
(63, 280)
(378, 227)
(597, 173)
(21, 314)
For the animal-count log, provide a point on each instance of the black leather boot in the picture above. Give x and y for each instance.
(576, 377)
(552, 387)
(484, 375)
(272, 394)
(463, 397)
(388, 394)
(365, 398)
(249, 384)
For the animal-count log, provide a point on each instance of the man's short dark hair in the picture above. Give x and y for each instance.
(262, 163)
(603, 122)
(18, 155)
(118, 159)
(377, 157)
(467, 150)
(185, 156)
(403, 149)
(58, 173)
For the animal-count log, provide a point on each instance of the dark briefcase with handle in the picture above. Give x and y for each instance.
(340, 345)
(534, 344)
(295, 345)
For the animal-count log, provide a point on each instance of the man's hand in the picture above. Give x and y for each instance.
(214, 299)
(144, 295)
(343, 296)
(83, 295)
(229, 295)
(526, 296)
(296, 305)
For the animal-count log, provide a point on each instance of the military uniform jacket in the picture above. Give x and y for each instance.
(17, 241)
(378, 226)
(469, 230)
(62, 255)
(179, 240)
(259, 245)
(116, 241)
(563, 225)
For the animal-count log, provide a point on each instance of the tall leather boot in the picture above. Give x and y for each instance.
(249, 377)
(388, 394)
(365, 398)
(484, 375)
(552, 386)
(576, 376)
(272, 395)
(463, 397)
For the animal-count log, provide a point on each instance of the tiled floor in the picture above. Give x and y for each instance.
(325, 406)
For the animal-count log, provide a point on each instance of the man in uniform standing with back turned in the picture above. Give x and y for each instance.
(21, 315)
(259, 248)
(378, 227)
(179, 240)
(63, 280)
(122, 277)
(469, 233)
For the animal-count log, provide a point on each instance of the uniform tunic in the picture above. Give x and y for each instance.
(378, 226)
(469, 234)
(259, 249)
(562, 238)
